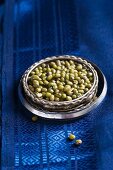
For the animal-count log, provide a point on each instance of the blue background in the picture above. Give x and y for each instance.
(35, 29)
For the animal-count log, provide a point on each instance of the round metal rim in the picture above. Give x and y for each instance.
(66, 115)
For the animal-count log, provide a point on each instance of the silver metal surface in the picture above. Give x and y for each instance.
(101, 93)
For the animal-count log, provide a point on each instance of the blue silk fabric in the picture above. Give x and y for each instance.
(35, 29)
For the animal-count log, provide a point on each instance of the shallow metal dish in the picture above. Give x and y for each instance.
(82, 110)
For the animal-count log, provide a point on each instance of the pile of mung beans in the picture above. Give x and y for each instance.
(60, 80)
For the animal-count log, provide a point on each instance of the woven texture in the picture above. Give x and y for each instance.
(57, 106)
(35, 29)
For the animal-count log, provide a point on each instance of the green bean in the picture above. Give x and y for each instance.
(69, 98)
(75, 86)
(38, 89)
(58, 62)
(72, 137)
(43, 78)
(67, 64)
(40, 68)
(63, 95)
(36, 69)
(41, 82)
(88, 86)
(86, 89)
(55, 87)
(49, 77)
(81, 91)
(34, 77)
(39, 95)
(60, 87)
(56, 99)
(67, 76)
(48, 94)
(91, 78)
(67, 87)
(76, 71)
(71, 76)
(44, 89)
(63, 74)
(48, 69)
(31, 88)
(79, 67)
(84, 71)
(85, 84)
(35, 83)
(67, 71)
(43, 94)
(63, 67)
(56, 91)
(78, 142)
(50, 90)
(71, 70)
(57, 75)
(58, 72)
(79, 95)
(43, 65)
(43, 75)
(58, 95)
(87, 80)
(51, 84)
(34, 118)
(69, 83)
(82, 87)
(77, 78)
(63, 62)
(53, 70)
(74, 96)
(45, 69)
(69, 93)
(58, 68)
(89, 74)
(49, 73)
(54, 66)
(75, 91)
(82, 81)
(62, 79)
(32, 73)
(37, 72)
(71, 62)
(75, 81)
(52, 97)
(46, 82)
